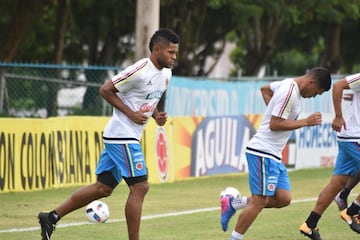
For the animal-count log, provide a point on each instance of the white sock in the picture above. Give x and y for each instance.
(236, 236)
(239, 203)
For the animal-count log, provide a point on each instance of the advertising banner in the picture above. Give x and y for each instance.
(158, 151)
(40, 153)
(316, 146)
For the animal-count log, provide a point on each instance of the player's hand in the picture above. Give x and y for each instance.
(337, 123)
(139, 117)
(314, 119)
(160, 118)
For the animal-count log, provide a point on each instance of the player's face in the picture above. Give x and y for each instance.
(167, 55)
(312, 90)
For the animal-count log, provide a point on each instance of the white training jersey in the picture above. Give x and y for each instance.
(285, 103)
(352, 132)
(140, 87)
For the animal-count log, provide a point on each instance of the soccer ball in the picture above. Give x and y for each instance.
(230, 192)
(97, 212)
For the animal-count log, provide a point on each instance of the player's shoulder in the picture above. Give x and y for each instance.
(142, 63)
(283, 85)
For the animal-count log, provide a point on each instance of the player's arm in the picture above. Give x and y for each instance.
(108, 92)
(266, 93)
(280, 124)
(159, 116)
(337, 95)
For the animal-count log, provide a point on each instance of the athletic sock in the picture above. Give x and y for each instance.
(236, 236)
(53, 217)
(345, 193)
(313, 219)
(239, 203)
(354, 208)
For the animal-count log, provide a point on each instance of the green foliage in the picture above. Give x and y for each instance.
(99, 33)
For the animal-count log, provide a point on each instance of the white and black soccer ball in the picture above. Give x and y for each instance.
(230, 192)
(97, 212)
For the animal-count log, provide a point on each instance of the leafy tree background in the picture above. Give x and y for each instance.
(287, 37)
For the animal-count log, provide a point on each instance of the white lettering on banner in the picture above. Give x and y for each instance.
(217, 146)
(203, 102)
(316, 146)
(321, 136)
(234, 103)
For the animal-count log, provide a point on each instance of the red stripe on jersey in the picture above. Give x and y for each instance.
(287, 99)
(353, 79)
(129, 74)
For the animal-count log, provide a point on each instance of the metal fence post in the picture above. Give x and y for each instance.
(2, 92)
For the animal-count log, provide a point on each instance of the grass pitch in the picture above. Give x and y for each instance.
(183, 210)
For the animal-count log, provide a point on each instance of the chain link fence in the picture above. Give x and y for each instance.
(44, 90)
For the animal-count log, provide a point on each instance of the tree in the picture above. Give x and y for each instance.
(23, 14)
(101, 26)
(62, 17)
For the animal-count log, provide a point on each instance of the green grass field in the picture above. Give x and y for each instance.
(183, 210)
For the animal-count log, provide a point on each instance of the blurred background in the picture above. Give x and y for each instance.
(54, 54)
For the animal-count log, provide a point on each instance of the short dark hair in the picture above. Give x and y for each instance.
(163, 34)
(322, 77)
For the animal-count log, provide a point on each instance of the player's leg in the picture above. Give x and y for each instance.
(229, 205)
(84, 196)
(250, 212)
(133, 168)
(133, 207)
(326, 196)
(281, 199)
(351, 215)
(343, 170)
(263, 186)
(103, 187)
(342, 196)
(309, 227)
(282, 196)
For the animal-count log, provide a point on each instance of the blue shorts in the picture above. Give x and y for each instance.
(122, 160)
(348, 158)
(266, 175)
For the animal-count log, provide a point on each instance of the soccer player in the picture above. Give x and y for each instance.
(347, 162)
(229, 205)
(134, 93)
(268, 179)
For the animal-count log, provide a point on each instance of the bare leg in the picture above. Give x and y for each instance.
(353, 181)
(248, 215)
(82, 197)
(282, 198)
(133, 208)
(328, 194)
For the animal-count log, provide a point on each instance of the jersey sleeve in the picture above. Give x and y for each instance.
(275, 85)
(129, 77)
(354, 82)
(284, 98)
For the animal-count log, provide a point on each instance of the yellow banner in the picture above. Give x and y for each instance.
(42, 153)
(37, 154)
